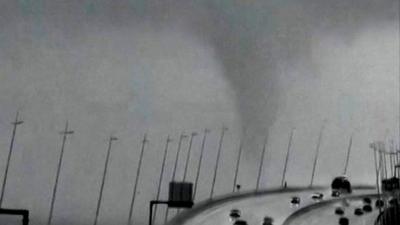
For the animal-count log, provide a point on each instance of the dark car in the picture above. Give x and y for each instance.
(295, 200)
(367, 200)
(268, 221)
(343, 221)
(358, 212)
(339, 211)
(234, 214)
(367, 208)
(240, 222)
(340, 185)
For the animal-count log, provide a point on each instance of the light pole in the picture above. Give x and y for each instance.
(317, 154)
(287, 158)
(15, 124)
(237, 165)
(218, 158)
(64, 133)
(178, 151)
(144, 142)
(206, 131)
(161, 175)
(261, 164)
(104, 178)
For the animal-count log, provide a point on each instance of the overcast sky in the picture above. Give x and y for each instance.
(129, 67)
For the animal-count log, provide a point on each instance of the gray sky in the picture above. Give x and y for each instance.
(163, 67)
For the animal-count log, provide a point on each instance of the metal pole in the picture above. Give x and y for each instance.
(178, 151)
(377, 168)
(15, 124)
(188, 155)
(217, 162)
(348, 154)
(287, 158)
(65, 133)
(237, 165)
(144, 141)
(175, 168)
(206, 131)
(383, 159)
(261, 164)
(316, 154)
(161, 175)
(103, 178)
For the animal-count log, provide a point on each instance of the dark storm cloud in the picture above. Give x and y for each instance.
(257, 41)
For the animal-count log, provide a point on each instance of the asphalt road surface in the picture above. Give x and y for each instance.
(277, 204)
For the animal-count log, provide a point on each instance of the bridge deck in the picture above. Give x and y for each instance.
(276, 204)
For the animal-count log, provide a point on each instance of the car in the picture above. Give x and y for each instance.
(367, 200)
(358, 212)
(234, 214)
(339, 211)
(240, 222)
(343, 221)
(367, 208)
(295, 200)
(268, 221)
(342, 185)
(317, 196)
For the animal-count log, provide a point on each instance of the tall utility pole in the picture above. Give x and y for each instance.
(188, 155)
(317, 154)
(206, 131)
(64, 134)
(178, 151)
(15, 124)
(144, 142)
(261, 164)
(348, 154)
(161, 175)
(378, 165)
(104, 178)
(383, 160)
(237, 165)
(287, 158)
(217, 162)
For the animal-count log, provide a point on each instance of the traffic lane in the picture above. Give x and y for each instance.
(254, 209)
(325, 214)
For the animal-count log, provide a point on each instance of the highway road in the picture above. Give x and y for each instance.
(276, 204)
